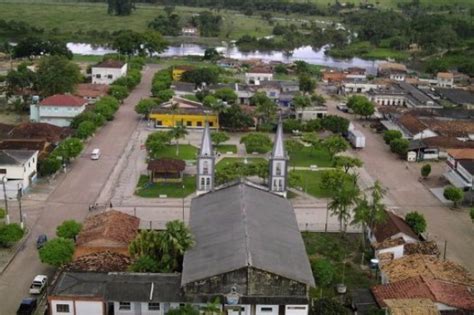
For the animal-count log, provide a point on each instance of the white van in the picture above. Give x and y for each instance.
(95, 155)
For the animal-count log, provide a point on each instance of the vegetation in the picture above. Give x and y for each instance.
(57, 75)
(335, 144)
(230, 169)
(390, 135)
(182, 189)
(69, 229)
(328, 306)
(425, 170)
(256, 142)
(454, 194)
(361, 105)
(335, 124)
(120, 7)
(219, 137)
(347, 162)
(400, 147)
(416, 221)
(323, 272)
(10, 234)
(57, 252)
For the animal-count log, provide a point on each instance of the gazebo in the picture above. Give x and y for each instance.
(169, 170)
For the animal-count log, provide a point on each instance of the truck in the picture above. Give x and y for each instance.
(39, 284)
(356, 138)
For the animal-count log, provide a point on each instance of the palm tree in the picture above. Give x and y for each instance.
(175, 240)
(213, 308)
(146, 243)
(177, 132)
(342, 200)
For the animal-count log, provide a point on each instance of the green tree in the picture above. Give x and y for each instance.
(425, 170)
(307, 84)
(226, 95)
(335, 144)
(328, 306)
(341, 202)
(208, 75)
(49, 166)
(68, 229)
(219, 137)
(293, 146)
(146, 244)
(211, 54)
(178, 132)
(144, 106)
(186, 309)
(300, 102)
(323, 272)
(333, 179)
(57, 252)
(175, 240)
(347, 162)
(154, 43)
(128, 42)
(390, 135)
(213, 308)
(97, 119)
(361, 105)
(120, 7)
(9, 234)
(164, 95)
(400, 147)
(416, 221)
(105, 110)
(335, 124)
(234, 118)
(266, 109)
(85, 129)
(20, 81)
(57, 75)
(256, 142)
(119, 92)
(145, 264)
(69, 148)
(156, 142)
(453, 194)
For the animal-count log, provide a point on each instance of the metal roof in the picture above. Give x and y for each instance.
(279, 146)
(242, 226)
(206, 143)
(15, 157)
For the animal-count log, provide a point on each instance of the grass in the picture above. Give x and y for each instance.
(311, 183)
(224, 148)
(344, 253)
(171, 190)
(366, 50)
(186, 152)
(308, 156)
(87, 58)
(227, 161)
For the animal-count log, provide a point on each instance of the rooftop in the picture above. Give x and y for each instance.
(445, 75)
(15, 157)
(260, 69)
(29, 130)
(411, 307)
(166, 165)
(447, 142)
(450, 128)
(241, 226)
(468, 165)
(63, 100)
(423, 248)
(91, 90)
(411, 123)
(392, 66)
(105, 261)
(392, 225)
(457, 96)
(462, 154)
(118, 64)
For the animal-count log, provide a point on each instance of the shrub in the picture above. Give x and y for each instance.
(145, 264)
(49, 166)
(57, 252)
(3, 213)
(416, 221)
(256, 142)
(9, 234)
(390, 135)
(292, 124)
(453, 194)
(68, 229)
(85, 129)
(118, 91)
(400, 147)
(425, 170)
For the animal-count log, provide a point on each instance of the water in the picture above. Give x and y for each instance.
(305, 53)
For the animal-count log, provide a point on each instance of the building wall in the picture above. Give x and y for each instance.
(266, 309)
(268, 284)
(177, 74)
(397, 251)
(107, 75)
(390, 100)
(60, 116)
(464, 173)
(296, 309)
(89, 308)
(70, 303)
(190, 121)
(25, 173)
(256, 78)
(311, 113)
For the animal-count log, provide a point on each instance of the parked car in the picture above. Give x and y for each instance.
(342, 107)
(27, 306)
(41, 240)
(39, 284)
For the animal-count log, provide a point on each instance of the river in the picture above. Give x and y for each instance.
(305, 53)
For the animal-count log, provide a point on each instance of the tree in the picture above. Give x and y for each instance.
(49, 166)
(425, 170)
(266, 109)
(186, 309)
(208, 75)
(57, 252)
(328, 306)
(128, 42)
(69, 148)
(219, 137)
(342, 199)
(167, 25)
(361, 105)
(105, 110)
(416, 221)
(57, 75)
(226, 95)
(293, 146)
(453, 194)
(301, 102)
(156, 142)
(335, 124)
(234, 118)
(144, 106)
(20, 81)
(175, 240)
(146, 244)
(347, 162)
(333, 179)
(95, 118)
(68, 229)
(145, 264)
(164, 95)
(213, 308)
(119, 92)
(178, 132)
(256, 142)
(290, 125)
(120, 7)
(211, 54)
(154, 43)
(9, 234)
(323, 272)
(209, 24)
(335, 144)
(400, 147)
(307, 84)
(390, 135)
(85, 129)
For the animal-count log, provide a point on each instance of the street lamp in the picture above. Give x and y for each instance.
(183, 203)
(4, 180)
(20, 194)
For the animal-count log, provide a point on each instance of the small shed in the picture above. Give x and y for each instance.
(165, 169)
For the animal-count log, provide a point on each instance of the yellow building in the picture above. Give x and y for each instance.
(180, 110)
(179, 70)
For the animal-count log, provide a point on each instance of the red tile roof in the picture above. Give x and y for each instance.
(392, 225)
(412, 123)
(29, 130)
(63, 100)
(91, 90)
(454, 295)
(110, 64)
(260, 69)
(462, 154)
(166, 165)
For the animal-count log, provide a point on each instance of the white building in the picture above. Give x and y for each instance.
(58, 110)
(311, 112)
(108, 71)
(445, 79)
(17, 169)
(258, 74)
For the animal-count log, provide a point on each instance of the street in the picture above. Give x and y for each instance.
(74, 192)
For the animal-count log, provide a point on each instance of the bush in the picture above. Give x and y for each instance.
(453, 194)
(9, 234)
(97, 119)
(68, 229)
(85, 129)
(313, 125)
(256, 142)
(390, 135)
(118, 91)
(104, 110)
(400, 147)
(292, 124)
(335, 124)
(164, 95)
(49, 166)
(69, 148)
(57, 252)
(416, 221)
(145, 264)
(3, 213)
(425, 170)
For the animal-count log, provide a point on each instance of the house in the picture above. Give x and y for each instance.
(166, 170)
(333, 76)
(41, 145)
(189, 31)
(18, 169)
(104, 261)
(111, 230)
(229, 63)
(311, 112)
(414, 128)
(51, 133)
(445, 79)
(257, 74)
(392, 227)
(271, 89)
(357, 85)
(180, 110)
(459, 97)
(411, 306)
(183, 88)
(394, 71)
(178, 71)
(402, 94)
(461, 168)
(58, 110)
(108, 71)
(91, 92)
(445, 295)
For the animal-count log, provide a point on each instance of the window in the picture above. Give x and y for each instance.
(211, 124)
(278, 169)
(153, 306)
(208, 182)
(202, 182)
(159, 123)
(199, 123)
(205, 167)
(98, 76)
(125, 306)
(266, 309)
(62, 308)
(189, 123)
(109, 76)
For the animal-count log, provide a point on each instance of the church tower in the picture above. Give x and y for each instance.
(205, 164)
(278, 173)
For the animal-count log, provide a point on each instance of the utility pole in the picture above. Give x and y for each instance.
(4, 179)
(183, 204)
(20, 194)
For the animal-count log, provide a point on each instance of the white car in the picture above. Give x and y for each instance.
(39, 284)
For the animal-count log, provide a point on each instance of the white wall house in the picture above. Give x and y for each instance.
(258, 74)
(108, 71)
(312, 112)
(445, 79)
(58, 110)
(18, 167)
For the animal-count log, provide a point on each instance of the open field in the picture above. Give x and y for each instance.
(171, 190)
(308, 156)
(186, 152)
(394, 3)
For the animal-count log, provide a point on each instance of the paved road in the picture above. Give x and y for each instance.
(407, 194)
(70, 200)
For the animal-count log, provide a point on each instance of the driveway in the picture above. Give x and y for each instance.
(406, 193)
(73, 193)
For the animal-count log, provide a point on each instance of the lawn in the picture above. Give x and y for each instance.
(186, 152)
(338, 249)
(309, 156)
(224, 148)
(171, 190)
(226, 161)
(311, 183)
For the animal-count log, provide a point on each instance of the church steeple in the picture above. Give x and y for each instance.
(205, 164)
(278, 164)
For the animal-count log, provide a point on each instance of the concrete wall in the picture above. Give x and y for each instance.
(266, 309)
(21, 173)
(70, 303)
(256, 78)
(107, 75)
(296, 309)
(60, 116)
(89, 308)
